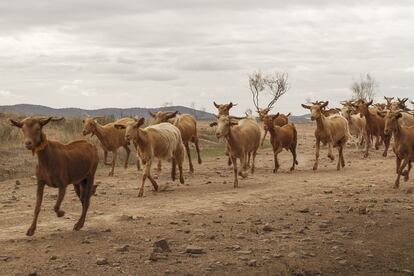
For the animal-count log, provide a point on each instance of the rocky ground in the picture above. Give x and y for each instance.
(291, 223)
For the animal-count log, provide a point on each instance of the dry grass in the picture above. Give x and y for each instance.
(16, 161)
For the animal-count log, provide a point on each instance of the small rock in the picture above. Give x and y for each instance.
(409, 190)
(32, 273)
(53, 258)
(305, 210)
(123, 248)
(343, 262)
(267, 228)
(102, 261)
(292, 255)
(362, 210)
(162, 246)
(191, 249)
(244, 252)
(252, 263)
(18, 183)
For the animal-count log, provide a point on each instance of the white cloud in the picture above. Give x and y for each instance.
(5, 93)
(144, 53)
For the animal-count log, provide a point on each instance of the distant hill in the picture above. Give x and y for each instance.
(29, 109)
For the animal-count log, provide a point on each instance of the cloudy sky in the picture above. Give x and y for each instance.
(101, 53)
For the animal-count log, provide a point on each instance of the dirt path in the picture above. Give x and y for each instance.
(300, 223)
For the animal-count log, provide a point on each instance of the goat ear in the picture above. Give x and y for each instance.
(151, 114)
(325, 104)
(230, 105)
(118, 126)
(338, 109)
(213, 124)
(57, 119)
(234, 123)
(277, 115)
(398, 115)
(287, 115)
(216, 105)
(45, 121)
(306, 106)
(370, 102)
(16, 123)
(140, 122)
(172, 115)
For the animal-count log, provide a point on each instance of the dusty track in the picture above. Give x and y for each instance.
(348, 223)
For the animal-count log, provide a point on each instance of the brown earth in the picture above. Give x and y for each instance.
(301, 223)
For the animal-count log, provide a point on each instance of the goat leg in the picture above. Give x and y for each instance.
(128, 152)
(317, 149)
(387, 140)
(198, 150)
(330, 154)
(173, 169)
(236, 181)
(61, 195)
(86, 191)
(190, 163)
(106, 158)
(243, 165)
(402, 167)
(39, 198)
(253, 162)
(114, 155)
(264, 138)
(406, 173)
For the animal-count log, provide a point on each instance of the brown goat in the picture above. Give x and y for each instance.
(111, 139)
(375, 127)
(58, 166)
(243, 139)
(403, 145)
(188, 128)
(281, 137)
(332, 130)
(162, 141)
(280, 120)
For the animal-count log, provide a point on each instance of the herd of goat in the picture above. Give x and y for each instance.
(170, 133)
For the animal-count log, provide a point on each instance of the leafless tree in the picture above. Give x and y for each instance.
(365, 89)
(276, 85)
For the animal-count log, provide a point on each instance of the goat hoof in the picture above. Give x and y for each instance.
(140, 194)
(181, 180)
(315, 167)
(111, 174)
(384, 154)
(292, 169)
(60, 213)
(78, 226)
(30, 232)
(200, 161)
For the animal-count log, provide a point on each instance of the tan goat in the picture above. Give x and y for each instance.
(403, 144)
(375, 127)
(357, 124)
(332, 130)
(188, 128)
(58, 166)
(281, 137)
(223, 109)
(243, 139)
(111, 139)
(161, 141)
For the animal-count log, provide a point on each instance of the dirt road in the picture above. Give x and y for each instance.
(301, 223)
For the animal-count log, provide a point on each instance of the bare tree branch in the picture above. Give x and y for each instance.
(365, 89)
(275, 84)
